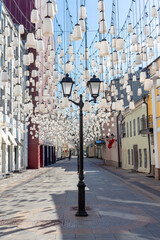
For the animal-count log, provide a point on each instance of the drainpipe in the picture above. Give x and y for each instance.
(118, 142)
(144, 99)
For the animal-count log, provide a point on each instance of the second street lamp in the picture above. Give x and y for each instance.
(67, 84)
(94, 85)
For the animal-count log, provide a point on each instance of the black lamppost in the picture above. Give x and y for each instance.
(94, 86)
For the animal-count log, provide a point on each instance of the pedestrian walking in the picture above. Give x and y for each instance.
(70, 153)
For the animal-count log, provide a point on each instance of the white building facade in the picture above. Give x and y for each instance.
(13, 137)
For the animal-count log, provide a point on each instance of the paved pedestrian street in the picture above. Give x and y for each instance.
(44, 206)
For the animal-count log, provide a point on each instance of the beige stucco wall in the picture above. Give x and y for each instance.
(92, 150)
(110, 156)
(129, 142)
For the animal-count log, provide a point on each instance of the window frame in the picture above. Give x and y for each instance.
(129, 157)
(134, 127)
(145, 158)
(140, 157)
(130, 128)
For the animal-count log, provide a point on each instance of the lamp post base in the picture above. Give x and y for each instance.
(81, 200)
(81, 214)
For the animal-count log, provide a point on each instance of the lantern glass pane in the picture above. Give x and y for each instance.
(95, 88)
(67, 87)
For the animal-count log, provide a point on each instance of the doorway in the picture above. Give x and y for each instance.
(135, 154)
(9, 159)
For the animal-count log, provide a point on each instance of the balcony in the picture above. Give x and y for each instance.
(146, 125)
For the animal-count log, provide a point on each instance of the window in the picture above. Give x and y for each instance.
(140, 158)
(129, 160)
(127, 130)
(123, 130)
(144, 125)
(134, 127)
(138, 125)
(130, 129)
(132, 156)
(145, 158)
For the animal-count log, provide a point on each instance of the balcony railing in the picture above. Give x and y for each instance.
(146, 124)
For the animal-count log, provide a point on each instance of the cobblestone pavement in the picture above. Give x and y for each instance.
(42, 206)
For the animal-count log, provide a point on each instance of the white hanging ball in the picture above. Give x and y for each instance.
(55, 7)
(154, 12)
(30, 43)
(21, 29)
(104, 48)
(71, 37)
(34, 73)
(77, 33)
(102, 26)
(112, 30)
(82, 24)
(150, 42)
(119, 44)
(82, 12)
(146, 30)
(148, 84)
(7, 31)
(130, 28)
(138, 60)
(139, 92)
(31, 57)
(70, 49)
(68, 67)
(34, 16)
(101, 16)
(9, 53)
(40, 46)
(101, 6)
(47, 28)
(131, 105)
(15, 42)
(4, 76)
(158, 39)
(17, 90)
(134, 39)
(114, 42)
(142, 76)
(50, 11)
(59, 39)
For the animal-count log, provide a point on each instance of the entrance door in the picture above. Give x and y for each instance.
(135, 154)
(9, 159)
(49, 155)
(46, 162)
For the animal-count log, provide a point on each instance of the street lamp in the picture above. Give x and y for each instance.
(94, 85)
(67, 84)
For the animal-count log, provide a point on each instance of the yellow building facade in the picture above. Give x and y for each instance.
(154, 109)
(135, 147)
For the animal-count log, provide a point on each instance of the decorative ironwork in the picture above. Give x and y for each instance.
(146, 124)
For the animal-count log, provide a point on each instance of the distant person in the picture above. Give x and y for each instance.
(70, 154)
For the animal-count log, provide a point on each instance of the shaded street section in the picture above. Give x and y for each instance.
(44, 205)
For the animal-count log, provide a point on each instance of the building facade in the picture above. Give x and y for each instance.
(38, 149)
(135, 146)
(14, 132)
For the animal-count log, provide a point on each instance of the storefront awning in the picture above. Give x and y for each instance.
(11, 138)
(5, 138)
(18, 142)
(99, 142)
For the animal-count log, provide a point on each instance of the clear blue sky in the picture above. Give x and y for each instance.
(93, 13)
